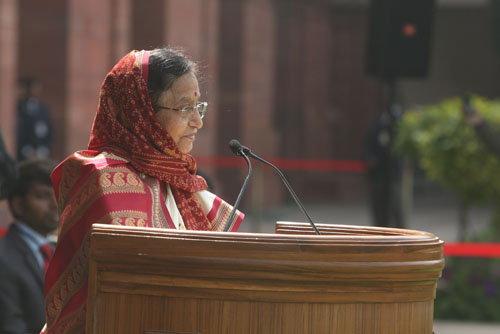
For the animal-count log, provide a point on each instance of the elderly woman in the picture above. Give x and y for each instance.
(136, 172)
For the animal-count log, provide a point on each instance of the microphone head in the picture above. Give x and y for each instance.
(235, 146)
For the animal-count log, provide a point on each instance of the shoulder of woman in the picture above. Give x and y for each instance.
(92, 160)
(82, 166)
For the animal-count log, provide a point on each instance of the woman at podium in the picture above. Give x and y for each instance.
(137, 171)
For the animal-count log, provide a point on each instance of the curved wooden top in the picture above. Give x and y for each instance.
(347, 264)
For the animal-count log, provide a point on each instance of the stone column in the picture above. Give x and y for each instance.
(229, 79)
(8, 82)
(258, 90)
(148, 19)
(8, 68)
(121, 29)
(318, 83)
(97, 37)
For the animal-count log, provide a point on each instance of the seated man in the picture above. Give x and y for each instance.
(26, 250)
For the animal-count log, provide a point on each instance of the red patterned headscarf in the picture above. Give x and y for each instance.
(125, 124)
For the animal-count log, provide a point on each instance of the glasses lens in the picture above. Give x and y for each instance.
(186, 112)
(202, 108)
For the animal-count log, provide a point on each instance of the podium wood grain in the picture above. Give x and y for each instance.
(351, 279)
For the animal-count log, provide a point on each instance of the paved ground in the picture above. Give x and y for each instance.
(432, 213)
(453, 327)
(435, 213)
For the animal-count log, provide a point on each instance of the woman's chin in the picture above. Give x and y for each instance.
(186, 148)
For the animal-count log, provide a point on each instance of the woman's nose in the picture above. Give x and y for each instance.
(196, 120)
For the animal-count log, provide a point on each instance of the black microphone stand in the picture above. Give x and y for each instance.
(295, 197)
(231, 216)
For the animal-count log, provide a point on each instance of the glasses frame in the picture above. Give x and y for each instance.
(201, 108)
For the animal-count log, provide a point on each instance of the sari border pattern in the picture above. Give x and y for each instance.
(68, 283)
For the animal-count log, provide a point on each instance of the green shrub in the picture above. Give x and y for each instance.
(437, 137)
(469, 290)
(439, 140)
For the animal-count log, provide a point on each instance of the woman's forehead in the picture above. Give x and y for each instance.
(186, 99)
(185, 89)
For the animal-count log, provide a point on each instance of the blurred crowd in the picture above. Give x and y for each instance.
(26, 246)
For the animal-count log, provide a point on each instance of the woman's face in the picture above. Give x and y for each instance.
(183, 93)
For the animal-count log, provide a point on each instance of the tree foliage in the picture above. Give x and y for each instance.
(447, 148)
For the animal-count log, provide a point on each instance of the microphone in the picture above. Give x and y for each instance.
(239, 149)
(236, 147)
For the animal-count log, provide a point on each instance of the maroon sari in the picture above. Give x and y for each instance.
(120, 180)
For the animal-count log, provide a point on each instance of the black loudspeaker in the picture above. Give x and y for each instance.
(399, 38)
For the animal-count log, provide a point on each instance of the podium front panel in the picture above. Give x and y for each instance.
(168, 281)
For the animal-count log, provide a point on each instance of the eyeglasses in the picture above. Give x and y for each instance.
(188, 111)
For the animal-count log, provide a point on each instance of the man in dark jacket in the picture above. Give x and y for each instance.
(384, 171)
(34, 125)
(25, 250)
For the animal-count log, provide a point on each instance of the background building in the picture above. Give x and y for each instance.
(285, 77)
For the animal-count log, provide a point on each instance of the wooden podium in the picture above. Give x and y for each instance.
(351, 279)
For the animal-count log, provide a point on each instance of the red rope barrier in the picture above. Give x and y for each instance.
(353, 166)
(472, 249)
(488, 250)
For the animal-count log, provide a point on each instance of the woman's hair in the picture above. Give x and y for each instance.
(165, 66)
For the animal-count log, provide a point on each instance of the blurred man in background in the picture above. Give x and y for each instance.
(26, 250)
(34, 126)
(384, 170)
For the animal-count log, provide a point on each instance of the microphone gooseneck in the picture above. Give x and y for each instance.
(244, 151)
(237, 149)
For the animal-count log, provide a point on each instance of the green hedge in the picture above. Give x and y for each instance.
(437, 137)
(439, 140)
(469, 290)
